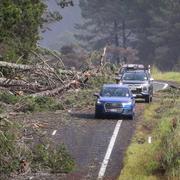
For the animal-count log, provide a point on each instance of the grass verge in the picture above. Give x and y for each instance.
(168, 76)
(161, 158)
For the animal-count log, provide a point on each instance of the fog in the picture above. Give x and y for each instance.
(61, 33)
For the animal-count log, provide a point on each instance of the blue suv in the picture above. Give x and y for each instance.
(115, 99)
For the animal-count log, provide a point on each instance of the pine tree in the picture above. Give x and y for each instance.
(105, 22)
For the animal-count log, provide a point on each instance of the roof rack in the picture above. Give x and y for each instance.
(136, 67)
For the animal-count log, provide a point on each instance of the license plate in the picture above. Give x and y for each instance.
(114, 110)
(132, 87)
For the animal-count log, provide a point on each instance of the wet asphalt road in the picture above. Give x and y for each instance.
(87, 140)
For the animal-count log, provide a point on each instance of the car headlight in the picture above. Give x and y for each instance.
(98, 102)
(127, 103)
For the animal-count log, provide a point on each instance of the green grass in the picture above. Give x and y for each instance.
(9, 98)
(160, 159)
(10, 149)
(55, 158)
(81, 99)
(38, 104)
(31, 104)
(1, 109)
(168, 76)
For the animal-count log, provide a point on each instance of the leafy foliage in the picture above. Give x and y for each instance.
(8, 98)
(14, 150)
(19, 27)
(20, 23)
(30, 104)
(57, 159)
(10, 150)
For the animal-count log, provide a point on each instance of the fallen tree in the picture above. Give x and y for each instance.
(13, 82)
(23, 66)
(45, 79)
(79, 81)
(53, 91)
(20, 85)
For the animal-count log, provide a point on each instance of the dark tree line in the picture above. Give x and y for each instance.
(151, 27)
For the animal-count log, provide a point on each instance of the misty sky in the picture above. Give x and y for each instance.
(61, 32)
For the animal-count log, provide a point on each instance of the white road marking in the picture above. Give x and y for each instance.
(165, 86)
(109, 150)
(54, 132)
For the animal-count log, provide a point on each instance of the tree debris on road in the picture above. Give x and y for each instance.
(41, 78)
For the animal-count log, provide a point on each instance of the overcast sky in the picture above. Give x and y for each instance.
(61, 32)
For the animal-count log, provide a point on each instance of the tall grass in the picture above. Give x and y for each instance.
(168, 76)
(161, 158)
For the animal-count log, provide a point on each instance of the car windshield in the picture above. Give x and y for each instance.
(135, 76)
(114, 92)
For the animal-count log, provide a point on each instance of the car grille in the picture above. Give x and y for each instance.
(137, 91)
(113, 106)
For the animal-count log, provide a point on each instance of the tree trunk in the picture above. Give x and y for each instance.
(12, 83)
(23, 66)
(52, 92)
(116, 40)
(124, 38)
(124, 34)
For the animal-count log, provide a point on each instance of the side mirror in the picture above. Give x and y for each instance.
(97, 95)
(151, 79)
(116, 73)
(118, 79)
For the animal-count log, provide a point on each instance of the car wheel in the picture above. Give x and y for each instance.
(131, 117)
(98, 115)
(151, 98)
(147, 99)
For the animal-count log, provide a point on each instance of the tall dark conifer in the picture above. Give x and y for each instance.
(105, 22)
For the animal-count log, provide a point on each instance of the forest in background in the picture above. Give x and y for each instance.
(151, 28)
